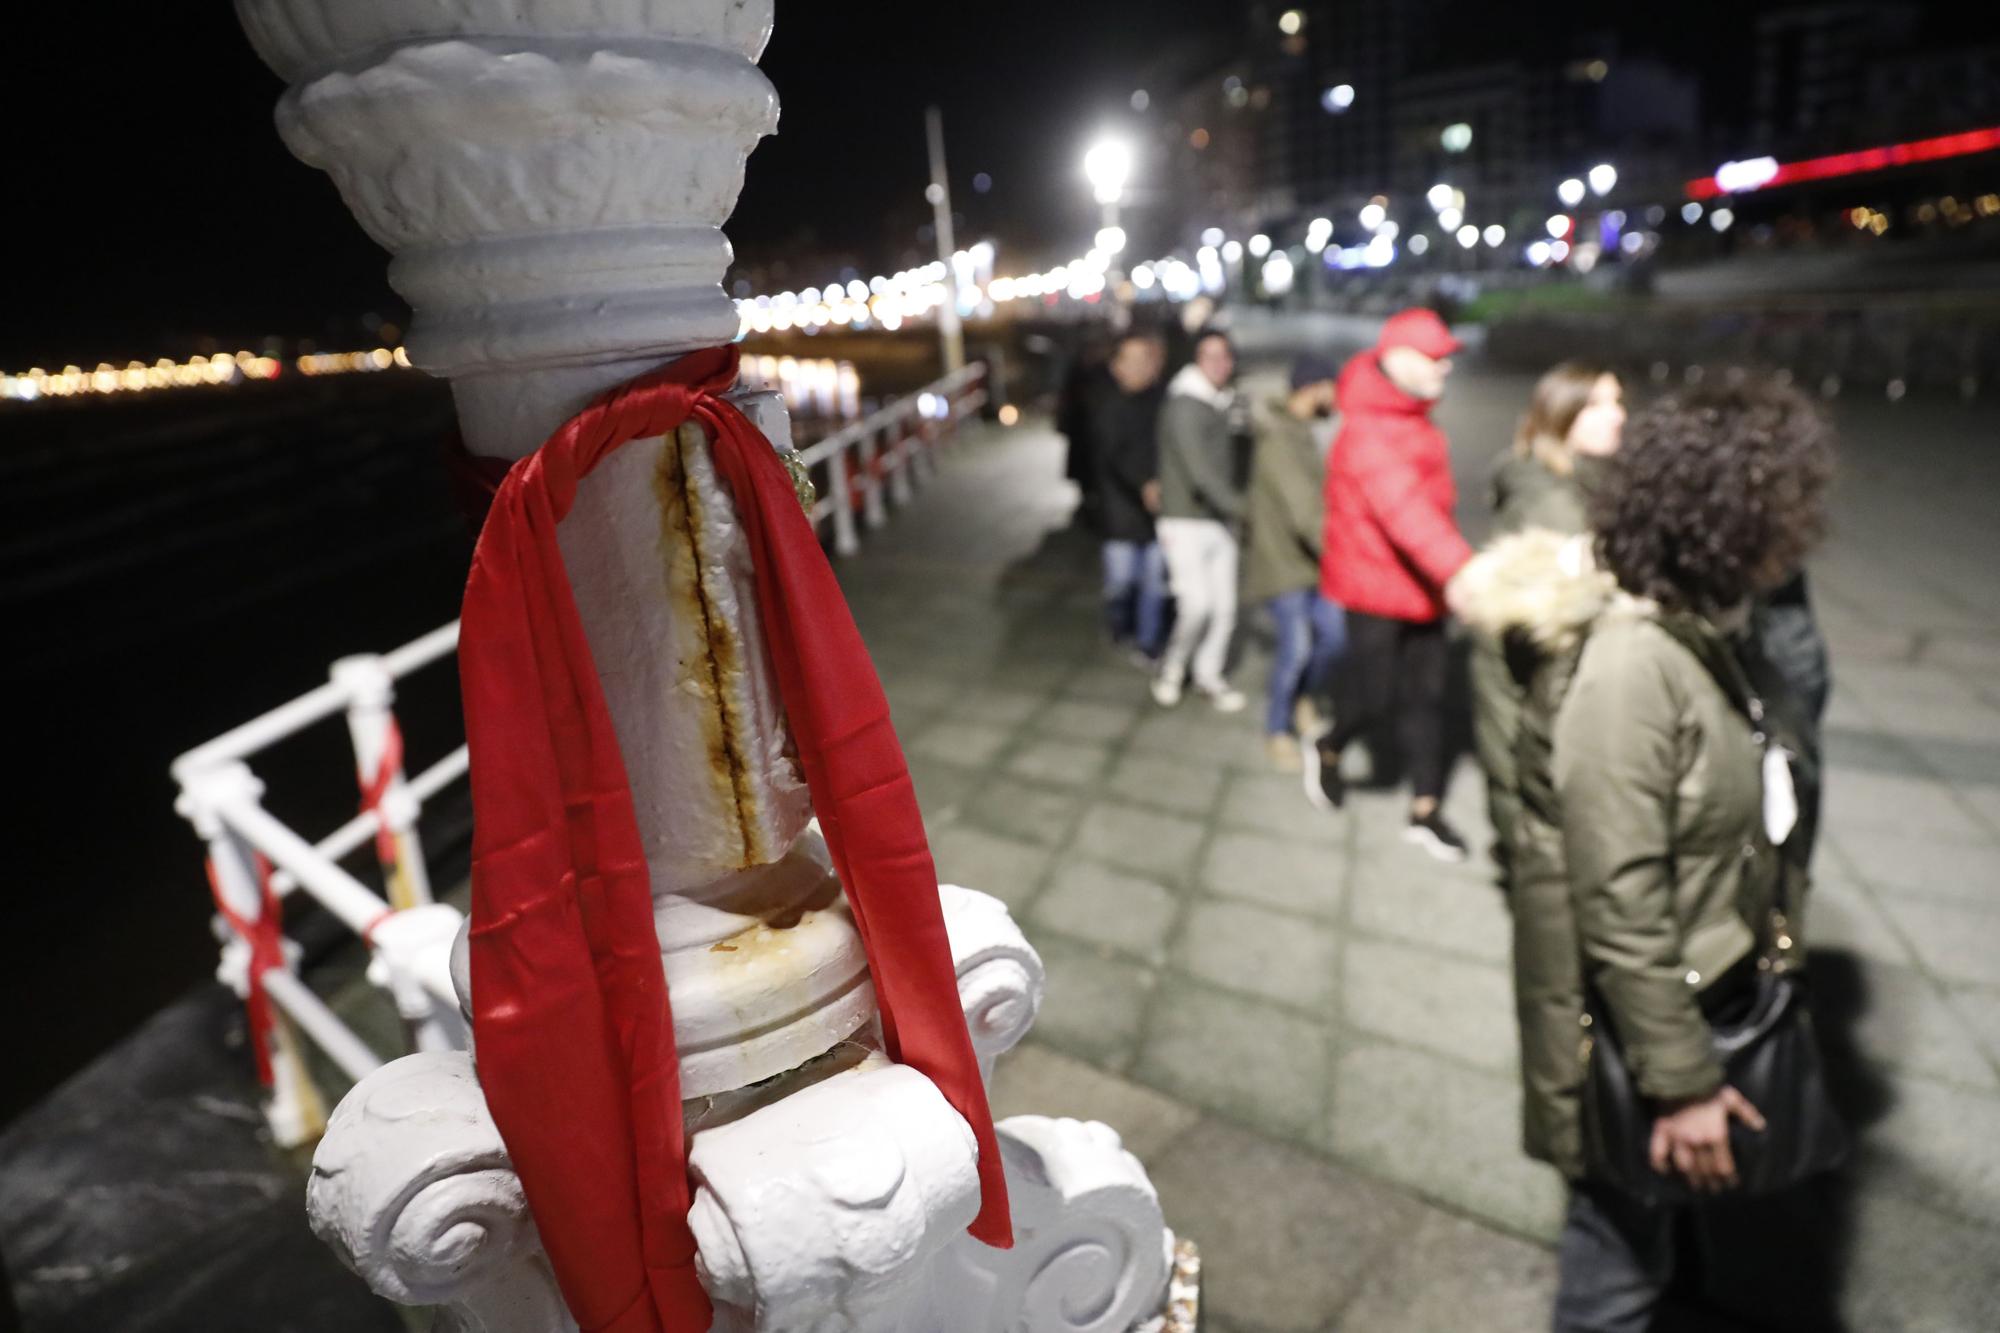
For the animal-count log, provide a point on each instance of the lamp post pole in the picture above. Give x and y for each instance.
(951, 334)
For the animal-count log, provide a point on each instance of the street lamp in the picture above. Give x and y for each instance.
(1570, 192)
(1603, 177)
(1107, 166)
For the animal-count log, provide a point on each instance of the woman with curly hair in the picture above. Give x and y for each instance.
(1673, 822)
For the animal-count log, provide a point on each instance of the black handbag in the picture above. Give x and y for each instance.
(1770, 1055)
(1767, 1048)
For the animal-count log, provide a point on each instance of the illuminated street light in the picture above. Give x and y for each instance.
(1373, 216)
(1603, 177)
(1337, 98)
(1318, 233)
(1559, 226)
(1260, 245)
(1538, 253)
(1570, 192)
(1212, 236)
(1108, 165)
(1496, 235)
(1232, 251)
(1721, 219)
(1468, 236)
(1419, 243)
(1440, 197)
(1292, 22)
(1690, 213)
(1450, 218)
(1456, 138)
(1278, 274)
(1111, 240)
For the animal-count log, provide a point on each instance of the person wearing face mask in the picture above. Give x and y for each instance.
(1573, 423)
(1390, 548)
(1281, 567)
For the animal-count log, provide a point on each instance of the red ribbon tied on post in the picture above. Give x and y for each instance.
(265, 934)
(570, 1007)
(376, 788)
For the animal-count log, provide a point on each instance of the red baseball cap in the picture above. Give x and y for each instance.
(1420, 329)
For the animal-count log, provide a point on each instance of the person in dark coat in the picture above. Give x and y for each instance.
(1573, 422)
(1082, 384)
(1124, 425)
(1281, 552)
(1391, 546)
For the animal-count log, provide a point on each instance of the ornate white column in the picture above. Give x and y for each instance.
(551, 176)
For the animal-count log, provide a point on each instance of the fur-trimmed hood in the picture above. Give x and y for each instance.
(1539, 583)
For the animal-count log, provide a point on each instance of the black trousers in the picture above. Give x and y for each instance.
(1395, 669)
(1773, 1263)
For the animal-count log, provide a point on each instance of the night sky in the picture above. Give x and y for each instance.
(152, 201)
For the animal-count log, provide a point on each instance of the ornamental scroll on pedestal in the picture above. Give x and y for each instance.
(551, 177)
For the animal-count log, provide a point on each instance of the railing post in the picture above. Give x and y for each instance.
(903, 450)
(923, 451)
(872, 511)
(845, 540)
(295, 1110)
(413, 963)
(378, 764)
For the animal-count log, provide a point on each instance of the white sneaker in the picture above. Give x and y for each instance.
(1166, 691)
(1224, 699)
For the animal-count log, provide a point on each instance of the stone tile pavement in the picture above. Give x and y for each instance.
(1304, 1025)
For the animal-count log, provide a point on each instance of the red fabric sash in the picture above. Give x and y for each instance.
(572, 1029)
(265, 934)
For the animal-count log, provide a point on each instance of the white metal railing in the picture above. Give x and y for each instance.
(878, 458)
(256, 861)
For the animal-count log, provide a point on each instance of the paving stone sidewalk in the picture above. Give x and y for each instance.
(1304, 1025)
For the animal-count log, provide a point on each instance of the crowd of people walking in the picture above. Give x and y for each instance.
(1646, 683)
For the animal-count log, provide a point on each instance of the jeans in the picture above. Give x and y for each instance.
(1312, 635)
(1201, 565)
(1396, 669)
(1613, 1262)
(1135, 593)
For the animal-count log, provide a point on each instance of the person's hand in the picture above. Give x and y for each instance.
(1149, 495)
(1692, 1138)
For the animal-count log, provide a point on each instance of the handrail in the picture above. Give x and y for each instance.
(357, 831)
(313, 706)
(849, 435)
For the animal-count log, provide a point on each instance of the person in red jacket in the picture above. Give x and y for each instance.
(1390, 547)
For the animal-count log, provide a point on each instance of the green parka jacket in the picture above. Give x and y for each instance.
(1640, 852)
(1527, 495)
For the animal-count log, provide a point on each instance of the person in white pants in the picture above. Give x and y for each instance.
(1201, 502)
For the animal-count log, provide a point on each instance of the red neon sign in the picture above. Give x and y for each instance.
(1866, 159)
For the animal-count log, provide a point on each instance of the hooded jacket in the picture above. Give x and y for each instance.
(1527, 495)
(1534, 597)
(1286, 478)
(1198, 473)
(1390, 543)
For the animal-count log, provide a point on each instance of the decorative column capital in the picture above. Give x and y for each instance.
(551, 176)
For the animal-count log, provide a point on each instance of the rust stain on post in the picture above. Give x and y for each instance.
(721, 660)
